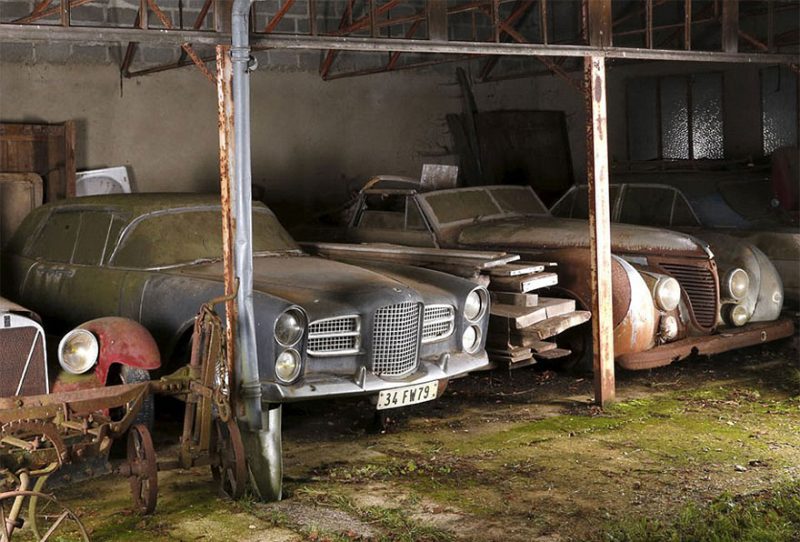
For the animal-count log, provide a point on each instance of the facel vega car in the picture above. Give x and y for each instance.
(324, 329)
(751, 285)
(666, 288)
(95, 354)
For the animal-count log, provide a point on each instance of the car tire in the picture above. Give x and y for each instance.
(264, 451)
(579, 340)
(134, 375)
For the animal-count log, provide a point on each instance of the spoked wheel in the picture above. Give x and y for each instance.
(228, 468)
(53, 520)
(143, 469)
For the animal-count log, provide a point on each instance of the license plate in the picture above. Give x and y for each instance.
(409, 395)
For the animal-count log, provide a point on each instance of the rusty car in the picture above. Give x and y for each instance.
(667, 297)
(737, 212)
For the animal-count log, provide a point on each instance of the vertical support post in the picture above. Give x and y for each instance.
(599, 18)
(312, 17)
(648, 33)
(437, 20)
(65, 11)
(770, 26)
(599, 229)
(543, 21)
(225, 124)
(730, 26)
(496, 20)
(222, 16)
(143, 14)
(687, 25)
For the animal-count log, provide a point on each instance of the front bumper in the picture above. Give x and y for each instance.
(727, 339)
(326, 386)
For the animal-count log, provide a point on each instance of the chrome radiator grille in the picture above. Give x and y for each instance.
(334, 336)
(438, 322)
(700, 286)
(24, 367)
(395, 339)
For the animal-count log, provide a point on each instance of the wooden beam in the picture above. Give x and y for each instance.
(600, 229)
(600, 23)
(730, 26)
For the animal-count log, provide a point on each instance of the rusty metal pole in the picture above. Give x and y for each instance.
(226, 154)
(599, 215)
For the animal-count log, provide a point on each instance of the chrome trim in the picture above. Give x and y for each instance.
(316, 335)
(449, 319)
(396, 339)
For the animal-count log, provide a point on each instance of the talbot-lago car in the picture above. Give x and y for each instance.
(751, 285)
(734, 211)
(97, 353)
(324, 329)
(665, 284)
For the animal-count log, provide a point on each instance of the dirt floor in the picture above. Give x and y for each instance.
(512, 457)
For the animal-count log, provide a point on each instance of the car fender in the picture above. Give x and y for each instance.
(122, 341)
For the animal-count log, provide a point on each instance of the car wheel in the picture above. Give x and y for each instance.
(134, 375)
(265, 456)
(579, 341)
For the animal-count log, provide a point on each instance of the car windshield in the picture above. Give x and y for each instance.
(186, 236)
(470, 203)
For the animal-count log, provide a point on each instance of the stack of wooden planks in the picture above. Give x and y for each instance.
(521, 321)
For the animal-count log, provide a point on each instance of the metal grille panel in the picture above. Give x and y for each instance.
(395, 339)
(700, 286)
(438, 322)
(18, 345)
(334, 336)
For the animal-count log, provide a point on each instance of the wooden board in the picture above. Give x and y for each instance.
(525, 283)
(552, 326)
(555, 353)
(556, 306)
(515, 270)
(518, 317)
(509, 298)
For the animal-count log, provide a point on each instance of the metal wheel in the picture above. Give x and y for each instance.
(143, 469)
(54, 520)
(229, 466)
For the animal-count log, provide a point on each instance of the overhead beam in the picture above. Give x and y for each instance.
(101, 36)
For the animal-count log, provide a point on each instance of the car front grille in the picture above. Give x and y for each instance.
(438, 323)
(24, 366)
(700, 286)
(334, 336)
(395, 339)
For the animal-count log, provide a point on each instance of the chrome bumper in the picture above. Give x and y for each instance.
(721, 341)
(324, 386)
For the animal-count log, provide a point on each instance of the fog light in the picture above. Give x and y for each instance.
(287, 366)
(737, 315)
(471, 339)
(668, 328)
(78, 351)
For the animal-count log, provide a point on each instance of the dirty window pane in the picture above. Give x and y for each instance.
(414, 220)
(383, 211)
(57, 239)
(186, 236)
(707, 139)
(642, 119)
(682, 216)
(580, 207)
(778, 108)
(515, 199)
(461, 205)
(564, 205)
(674, 118)
(92, 238)
(647, 206)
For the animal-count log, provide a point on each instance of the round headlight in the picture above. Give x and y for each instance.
(736, 283)
(667, 293)
(473, 307)
(78, 351)
(737, 315)
(287, 366)
(471, 339)
(289, 327)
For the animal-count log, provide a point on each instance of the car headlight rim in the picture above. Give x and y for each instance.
(471, 339)
(737, 283)
(667, 293)
(737, 315)
(291, 359)
(78, 351)
(289, 327)
(475, 305)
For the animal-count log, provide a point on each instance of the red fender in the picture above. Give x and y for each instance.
(122, 341)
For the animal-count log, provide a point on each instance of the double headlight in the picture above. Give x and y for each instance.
(735, 284)
(78, 351)
(475, 307)
(289, 329)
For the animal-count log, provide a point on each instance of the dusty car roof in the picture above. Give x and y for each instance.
(142, 203)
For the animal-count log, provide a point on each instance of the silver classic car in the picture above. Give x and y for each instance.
(325, 329)
(666, 287)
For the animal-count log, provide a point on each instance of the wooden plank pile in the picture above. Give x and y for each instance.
(521, 321)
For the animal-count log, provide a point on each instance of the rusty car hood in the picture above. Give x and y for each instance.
(552, 232)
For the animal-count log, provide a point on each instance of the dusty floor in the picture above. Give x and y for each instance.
(500, 457)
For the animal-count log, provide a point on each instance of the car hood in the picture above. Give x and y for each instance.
(552, 232)
(322, 287)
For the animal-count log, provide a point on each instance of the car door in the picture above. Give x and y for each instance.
(390, 218)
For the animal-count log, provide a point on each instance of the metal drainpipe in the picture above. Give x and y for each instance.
(247, 371)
